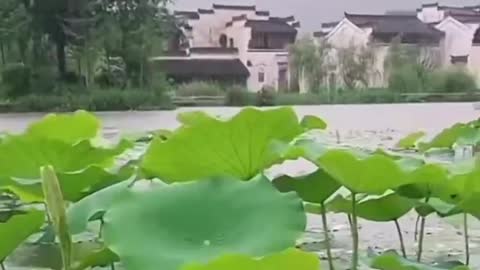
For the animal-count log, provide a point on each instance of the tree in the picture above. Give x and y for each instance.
(309, 61)
(356, 65)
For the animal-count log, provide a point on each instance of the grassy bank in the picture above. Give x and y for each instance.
(138, 99)
(96, 100)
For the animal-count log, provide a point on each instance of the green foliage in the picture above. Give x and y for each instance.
(95, 100)
(392, 261)
(453, 80)
(388, 207)
(68, 128)
(17, 229)
(16, 78)
(239, 96)
(313, 188)
(242, 146)
(199, 88)
(378, 172)
(286, 260)
(410, 141)
(150, 229)
(356, 66)
(94, 206)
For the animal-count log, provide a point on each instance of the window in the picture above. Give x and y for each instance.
(223, 41)
(261, 76)
(232, 43)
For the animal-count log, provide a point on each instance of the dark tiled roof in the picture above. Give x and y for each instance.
(430, 4)
(467, 18)
(262, 13)
(202, 67)
(175, 53)
(476, 37)
(188, 14)
(206, 11)
(233, 7)
(330, 24)
(270, 26)
(319, 34)
(296, 24)
(283, 19)
(214, 50)
(239, 18)
(459, 59)
(386, 27)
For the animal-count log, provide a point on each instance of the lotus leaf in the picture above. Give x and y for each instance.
(69, 129)
(79, 167)
(93, 206)
(200, 221)
(448, 137)
(314, 188)
(430, 180)
(391, 261)
(410, 141)
(312, 122)
(388, 207)
(87, 256)
(286, 260)
(240, 147)
(372, 174)
(17, 229)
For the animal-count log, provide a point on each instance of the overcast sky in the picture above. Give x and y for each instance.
(312, 13)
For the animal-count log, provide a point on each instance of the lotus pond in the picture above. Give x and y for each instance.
(223, 193)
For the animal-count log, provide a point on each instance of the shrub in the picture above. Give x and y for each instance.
(239, 96)
(266, 97)
(199, 88)
(282, 99)
(405, 79)
(97, 100)
(452, 80)
(16, 78)
(44, 79)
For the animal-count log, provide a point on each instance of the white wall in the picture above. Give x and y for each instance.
(266, 62)
(474, 63)
(431, 14)
(347, 34)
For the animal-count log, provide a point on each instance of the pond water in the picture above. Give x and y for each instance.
(362, 125)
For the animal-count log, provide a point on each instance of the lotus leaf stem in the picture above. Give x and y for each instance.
(112, 266)
(467, 244)
(422, 235)
(415, 235)
(400, 237)
(327, 237)
(2, 265)
(354, 232)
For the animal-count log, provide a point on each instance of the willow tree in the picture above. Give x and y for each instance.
(309, 61)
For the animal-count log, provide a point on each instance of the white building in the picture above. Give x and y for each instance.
(453, 31)
(232, 44)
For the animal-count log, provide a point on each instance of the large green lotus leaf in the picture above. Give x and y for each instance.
(438, 206)
(383, 208)
(313, 122)
(88, 255)
(372, 174)
(286, 260)
(410, 141)
(22, 156)
(313, 188)
(17, 229)
(448, 137)
(95, 205)
(206, 146)
(392, 261)
(430, 180)
(75, 185)
(68, 128)
(200, 221)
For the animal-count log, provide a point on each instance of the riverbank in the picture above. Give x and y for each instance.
(142, 100)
